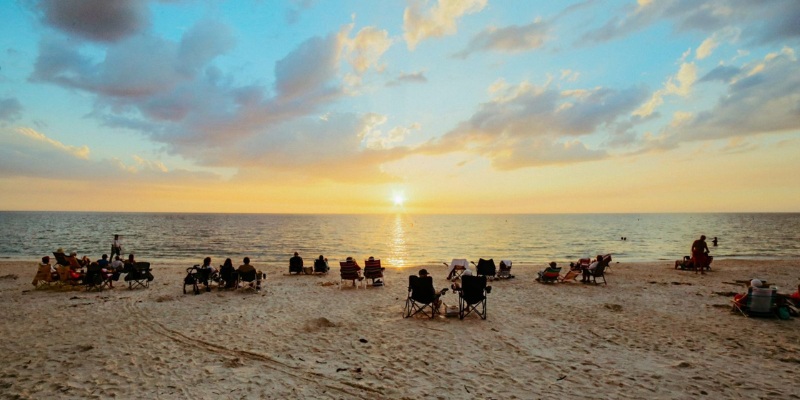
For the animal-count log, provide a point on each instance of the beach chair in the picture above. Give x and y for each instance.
(607, 262)
(139, 274)
(758, 302)
(571, 275)
(485, 268)
(67, 276)
(350, 271)
(196, 276)
(504, 272)
(373, 271)
(44, 277)
(472, 296)
(598, 272)
(457, 268)
(549, 275)
(61, 259)
(584, 263)
(320, 266)
(249, 281)
(295, 265)
(421, 297)
(93, 279)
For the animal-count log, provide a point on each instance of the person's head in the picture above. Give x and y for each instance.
(372, 258)
(104, 256)
(116, 257)
(321, 258)
(93, 264)
(207, 261)
(60, 250)
(74, 253)
(130, 257)
(46, 260)
(553, 264)
(351, 259)
(755, 283)
(423, 272)
(599, 257)
(702, 237)
(228, 263)
(116, 237)
(246, 260)
(295, 254)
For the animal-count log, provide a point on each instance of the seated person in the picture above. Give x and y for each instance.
(228, 273)
(686, 263)
(436, 295)
(53, 272)
(106, 270)
(296, 263)
(321, 265)
(741, 298)
(247, 269)
(552, 268)
(353, 260)
(795, 297)
(587, 273)
(118, 266)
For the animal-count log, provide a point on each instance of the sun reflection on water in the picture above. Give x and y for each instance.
(397, 243)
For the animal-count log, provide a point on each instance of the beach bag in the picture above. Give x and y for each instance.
(783, 313)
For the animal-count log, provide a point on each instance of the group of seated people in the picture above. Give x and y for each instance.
(689, 263)
(296, 265)
(790, 301)
(587, 266)
(77, 270)
(229, 277)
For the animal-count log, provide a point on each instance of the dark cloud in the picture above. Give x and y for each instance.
(510, 39)
(772, 21)
(414, 77)
(10, 109)
(762, 98)
(721, 73)
(539, 126)
(298, 7)
(96, 20)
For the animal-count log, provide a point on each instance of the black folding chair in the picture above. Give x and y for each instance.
(421, 297)
(485, 268)
(472, 296)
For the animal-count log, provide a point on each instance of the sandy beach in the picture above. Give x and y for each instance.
(652, 332)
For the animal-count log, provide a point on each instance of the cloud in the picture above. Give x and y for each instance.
(412, 77)
(96, 20)
(81, 152)
(298, 7)
(721, 73)
(510, 39)
(440, 20)
(525, 125)
(680, 84)
(26, 152)
(762, 97)
(366, 48)
(10, 109)
(758, 23)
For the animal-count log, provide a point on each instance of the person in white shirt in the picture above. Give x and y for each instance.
(116, 246)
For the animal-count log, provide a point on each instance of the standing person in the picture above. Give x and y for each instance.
(116, 246)
(714, 242)
(700, 254)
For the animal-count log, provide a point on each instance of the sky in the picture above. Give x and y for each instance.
(363, 106)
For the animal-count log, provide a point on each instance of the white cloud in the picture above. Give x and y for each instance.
(440, 20)
(81, 152)
(680, 84)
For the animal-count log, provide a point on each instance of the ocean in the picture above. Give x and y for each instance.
(398, 239)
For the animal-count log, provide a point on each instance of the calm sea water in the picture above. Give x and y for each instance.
(399, 240)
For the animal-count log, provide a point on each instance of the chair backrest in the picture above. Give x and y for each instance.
(43, 273)
(761, 300)
(142, 266)
(585, 262)
(295, 264)
(571, 274)
(349, 269)
(61, 258)
(459, 263)
(551, 273)
(320, 265)
(486, 267)
(248, 276)
(606, 259)
(373, 269)
(473, 289)
(599, 270)
(63, 273)
(505, 265)
(420, 289)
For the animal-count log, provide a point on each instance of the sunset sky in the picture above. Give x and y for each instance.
(448, 106)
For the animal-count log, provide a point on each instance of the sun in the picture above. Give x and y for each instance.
(398, 200)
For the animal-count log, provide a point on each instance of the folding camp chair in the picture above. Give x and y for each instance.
(457, 268)
(67, 276)
(421, 297)
(61, 259)
(549, 275)
(139, 275)
(373, 271)
(93, 279)
(598, 272)
(505, 269)
(571, 275)
(758, 302)
(485, 268)
(44, 277)
(350, 271)
(296, 265)
(472, 296)
(250, 280)
(320, 266)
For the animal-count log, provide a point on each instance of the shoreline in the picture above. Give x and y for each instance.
(652, 332)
